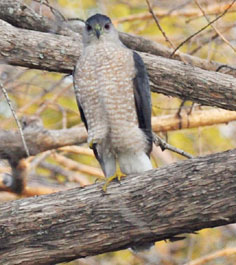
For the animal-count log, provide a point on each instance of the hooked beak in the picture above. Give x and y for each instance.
(98, 30)
(98, 33)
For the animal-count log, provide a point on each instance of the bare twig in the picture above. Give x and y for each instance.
(203, 28)
(164, 145)
(161, 30)
(225, 66)
(216, 30)
(158, 24)
(76, 166)
(221, 253)
(207, 41)
(53, 99)
(70, 175)
(54, 11)
(16, 119)
(81, 150)
(212, 9)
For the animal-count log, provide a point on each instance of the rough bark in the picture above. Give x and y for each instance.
(177, 79)
(19, 15)
(159, 204)
(38, 140)
(32, 49)
(59, 53)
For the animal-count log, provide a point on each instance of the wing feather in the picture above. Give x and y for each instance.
(142, 97)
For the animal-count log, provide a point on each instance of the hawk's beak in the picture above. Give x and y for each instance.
(98, 33)
(98, 30)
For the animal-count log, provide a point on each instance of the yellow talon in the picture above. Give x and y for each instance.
(118, 175)
(107, 181)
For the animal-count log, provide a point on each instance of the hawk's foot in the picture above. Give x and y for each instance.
(118, 175)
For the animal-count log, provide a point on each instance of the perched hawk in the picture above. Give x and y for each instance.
(113, 96)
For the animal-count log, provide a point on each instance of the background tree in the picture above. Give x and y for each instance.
(45, 102)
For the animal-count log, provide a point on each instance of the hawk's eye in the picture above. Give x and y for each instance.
(107, 26)
(88, 27)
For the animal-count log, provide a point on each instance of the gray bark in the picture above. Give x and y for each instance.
(20, 15)
(59, 53)
(159, 204)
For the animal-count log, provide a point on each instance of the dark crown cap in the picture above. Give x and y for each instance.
(98, 18)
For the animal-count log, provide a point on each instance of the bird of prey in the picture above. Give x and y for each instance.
(113, 95)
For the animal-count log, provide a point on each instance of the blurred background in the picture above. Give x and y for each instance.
(49, 98)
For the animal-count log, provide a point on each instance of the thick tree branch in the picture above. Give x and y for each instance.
(159, 204)
(59, 53)
(44, 51)
(19, 15)
(38, 140)
(177, 79)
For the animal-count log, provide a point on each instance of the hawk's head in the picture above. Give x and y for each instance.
(99, 28)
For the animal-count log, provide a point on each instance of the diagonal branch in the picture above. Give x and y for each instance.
(215, 28)
(203, 28)
(16, 118)
(158, 24)
(159, 204)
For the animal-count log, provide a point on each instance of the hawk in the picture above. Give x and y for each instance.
(113, 95)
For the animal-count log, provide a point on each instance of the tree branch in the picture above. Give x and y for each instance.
(171, 77)
(19, 15)
(159, 204)
(59, 53)
(198, 118)
(38, 140)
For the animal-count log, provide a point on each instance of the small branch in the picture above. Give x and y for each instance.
(70, 175)
(221, 253)
(160, 28)
(16, 119)
(211, 9)
(81, 150)
(73, 165)
(203, 28)
(225, 66)
(158, 141)
(195, 119)
(158, 24)
(55, 12)
(216, 30)
(29, 190)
